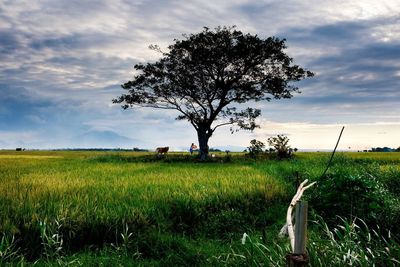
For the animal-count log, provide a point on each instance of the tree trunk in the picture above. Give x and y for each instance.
(203, 136)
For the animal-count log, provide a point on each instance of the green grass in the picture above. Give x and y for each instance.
(350, 243)
(175, 210)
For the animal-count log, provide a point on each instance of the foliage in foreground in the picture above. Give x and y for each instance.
(359, 190)
(351, 243)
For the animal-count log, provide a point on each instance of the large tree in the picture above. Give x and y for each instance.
(207, 76)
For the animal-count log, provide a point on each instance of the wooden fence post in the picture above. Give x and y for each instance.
(301, 227)
(299, 256)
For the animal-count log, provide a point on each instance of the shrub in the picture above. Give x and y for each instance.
(255, 148)
(280, 144)
(355, 194)
(391, 179)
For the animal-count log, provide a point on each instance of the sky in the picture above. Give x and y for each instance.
(62, 62)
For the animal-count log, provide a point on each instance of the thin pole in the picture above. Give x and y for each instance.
(333, 153)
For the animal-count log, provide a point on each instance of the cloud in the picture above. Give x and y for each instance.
(26, 139)
(8, 42)
(103, 139)
(356, 73)
(63, 61)
(20, 108)
(358, 136)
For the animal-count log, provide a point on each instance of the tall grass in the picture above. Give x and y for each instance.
(96, 198)
(131, 207)
(351, 243)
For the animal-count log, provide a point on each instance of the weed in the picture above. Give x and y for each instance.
(9, 252)
(348, 244)
(52, 240)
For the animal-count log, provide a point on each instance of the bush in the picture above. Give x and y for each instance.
(280, 144)
(255, 148)
(359, 194)
(391, 179)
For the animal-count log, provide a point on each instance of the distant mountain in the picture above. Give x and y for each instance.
(102, 139)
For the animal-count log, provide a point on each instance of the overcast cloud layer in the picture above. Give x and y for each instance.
(61, 63)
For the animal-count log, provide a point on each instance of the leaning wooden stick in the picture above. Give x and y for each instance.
(284, 229)
(297, 196)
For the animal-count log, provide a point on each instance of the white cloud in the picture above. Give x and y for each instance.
(357, 136)
(76, 53)
(13, 139)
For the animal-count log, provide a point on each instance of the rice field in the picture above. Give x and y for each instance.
(170, 211)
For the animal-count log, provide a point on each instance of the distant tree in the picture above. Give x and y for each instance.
(256, 148)
(206, 75)
(136, 149)
(280, 144)
(384, 149)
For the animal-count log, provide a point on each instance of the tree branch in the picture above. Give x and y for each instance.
(289, 216)
(223, 124)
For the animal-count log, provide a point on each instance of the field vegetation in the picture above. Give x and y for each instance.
(134, 209)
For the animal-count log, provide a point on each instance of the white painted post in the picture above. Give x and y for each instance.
(301, 228)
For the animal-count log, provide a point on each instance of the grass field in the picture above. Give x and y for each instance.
(129, 208)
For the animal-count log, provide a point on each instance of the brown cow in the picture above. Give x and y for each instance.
(162, 150)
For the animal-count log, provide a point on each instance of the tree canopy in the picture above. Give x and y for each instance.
(206, 76)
